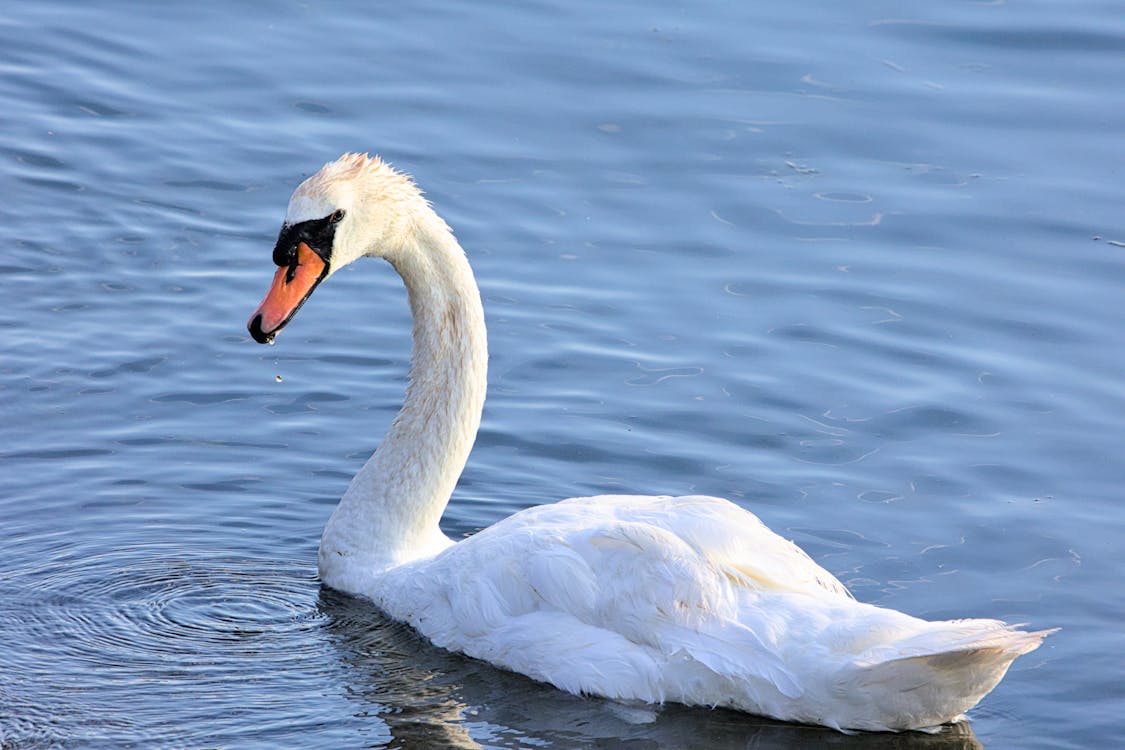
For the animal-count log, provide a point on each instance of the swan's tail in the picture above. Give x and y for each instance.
(936, 676)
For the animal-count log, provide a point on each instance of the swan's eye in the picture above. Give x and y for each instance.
(336, 216)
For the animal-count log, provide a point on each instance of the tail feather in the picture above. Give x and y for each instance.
(935, 677)
(957, 635)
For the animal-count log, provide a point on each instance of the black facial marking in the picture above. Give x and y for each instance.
(316, 233)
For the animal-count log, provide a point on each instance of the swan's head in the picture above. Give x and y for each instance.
(354, 206)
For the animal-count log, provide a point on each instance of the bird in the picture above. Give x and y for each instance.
(626, 597)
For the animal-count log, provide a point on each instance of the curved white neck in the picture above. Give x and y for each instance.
(390, 512)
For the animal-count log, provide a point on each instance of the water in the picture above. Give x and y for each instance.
(855, 266)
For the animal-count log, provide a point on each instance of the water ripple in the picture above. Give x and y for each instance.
(85, 633)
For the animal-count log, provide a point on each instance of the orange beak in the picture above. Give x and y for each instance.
(291, 286)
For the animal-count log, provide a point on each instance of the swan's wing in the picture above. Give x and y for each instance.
(616, 595)
(733, 539)
(692, 600)
(653, 588)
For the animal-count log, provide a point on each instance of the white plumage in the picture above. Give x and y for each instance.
(688, 599)
(691, 599)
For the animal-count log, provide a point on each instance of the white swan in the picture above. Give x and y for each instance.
(688, 599)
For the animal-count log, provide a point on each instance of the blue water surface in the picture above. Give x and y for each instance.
(857, 266)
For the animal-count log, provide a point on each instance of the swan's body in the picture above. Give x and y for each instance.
(688, 599)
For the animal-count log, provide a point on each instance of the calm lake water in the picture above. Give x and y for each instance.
(856, 266)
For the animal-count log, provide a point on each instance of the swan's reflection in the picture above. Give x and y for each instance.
(430, 698)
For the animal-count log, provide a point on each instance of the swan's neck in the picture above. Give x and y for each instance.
(389, 514)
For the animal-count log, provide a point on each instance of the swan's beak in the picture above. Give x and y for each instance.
(291, 286)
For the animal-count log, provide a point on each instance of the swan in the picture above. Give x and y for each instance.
(638, 598)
